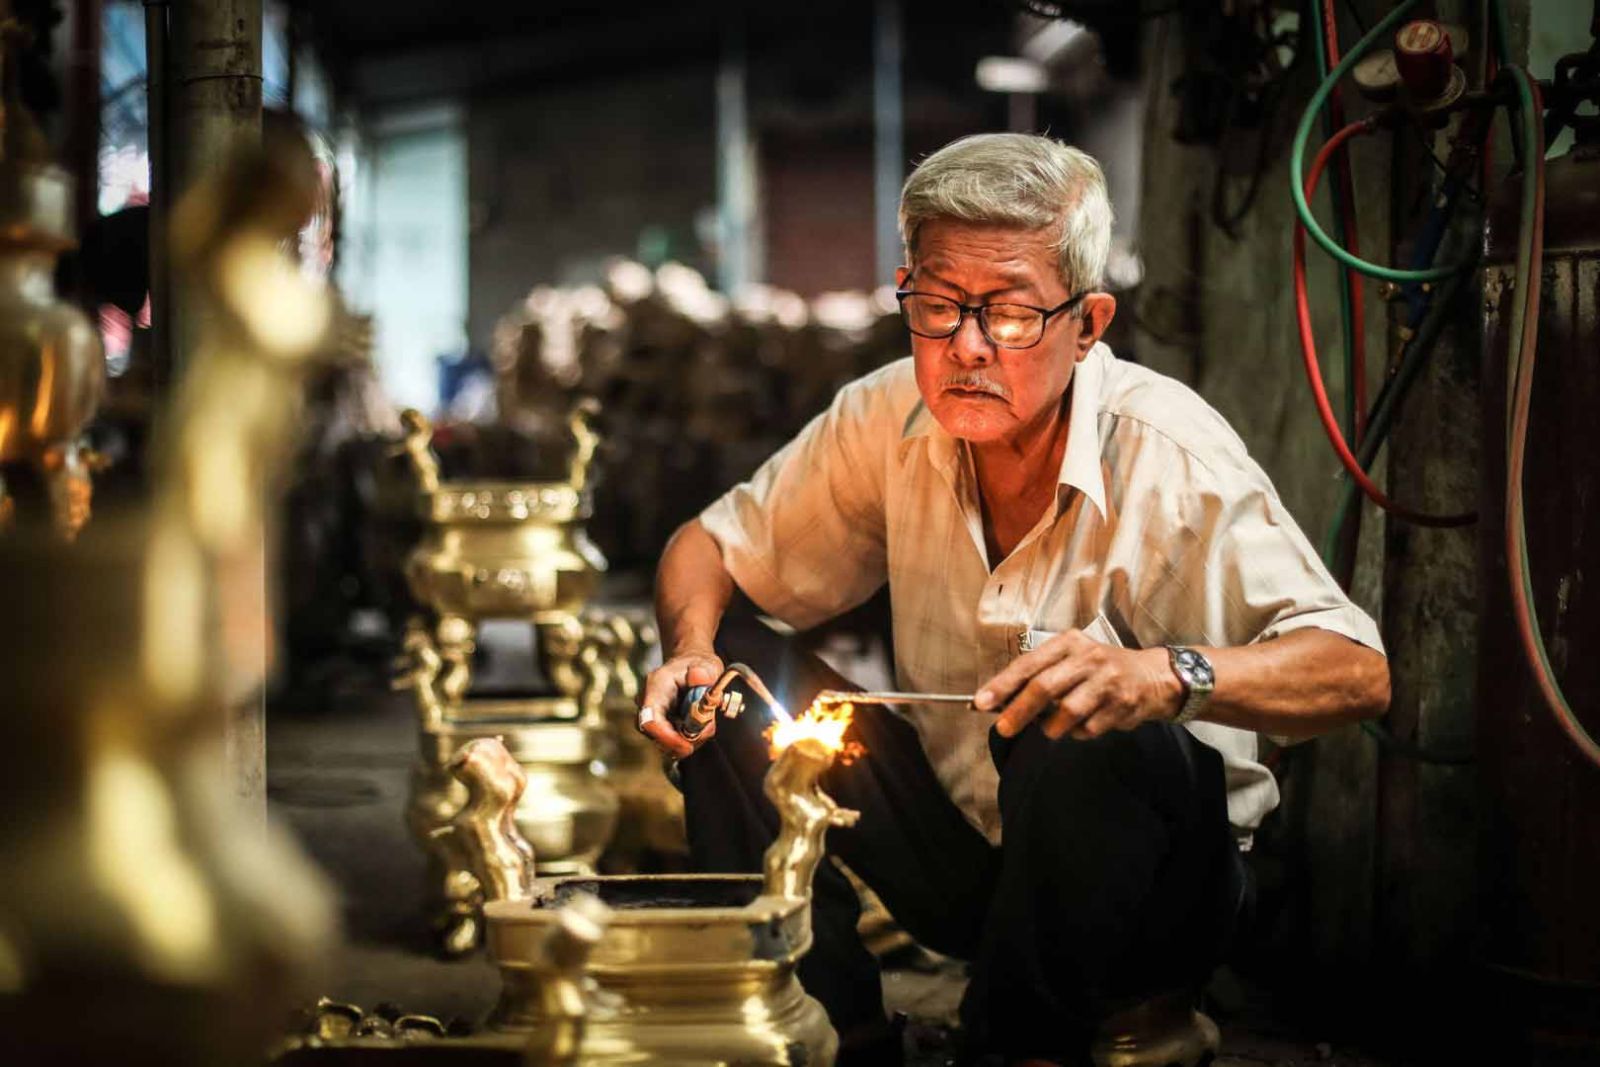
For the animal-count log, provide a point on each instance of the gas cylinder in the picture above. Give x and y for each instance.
(1542, 797)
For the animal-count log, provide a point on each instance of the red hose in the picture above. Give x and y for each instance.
(1527, 351)
(1308, 352)
(1347, 192)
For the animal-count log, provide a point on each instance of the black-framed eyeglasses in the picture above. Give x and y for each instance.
(1003, 325)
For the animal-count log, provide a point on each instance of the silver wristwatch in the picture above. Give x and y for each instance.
(1198, 679)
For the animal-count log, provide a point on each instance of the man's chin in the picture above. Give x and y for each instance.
(978, 421)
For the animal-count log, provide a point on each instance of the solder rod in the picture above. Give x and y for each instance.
(840, 696)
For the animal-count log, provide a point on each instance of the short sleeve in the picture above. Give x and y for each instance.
(1236, 568)
(805, 536)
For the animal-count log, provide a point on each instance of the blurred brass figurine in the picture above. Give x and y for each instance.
(805, 813)
(142, 916)
(689, 968)
(484, 830)
(416, 445)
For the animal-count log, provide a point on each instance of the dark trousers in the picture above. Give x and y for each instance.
(1118, 877)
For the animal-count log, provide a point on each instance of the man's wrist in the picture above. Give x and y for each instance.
(1170, 691)
(692, 645)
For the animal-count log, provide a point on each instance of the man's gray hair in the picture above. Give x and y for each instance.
(1022, 180)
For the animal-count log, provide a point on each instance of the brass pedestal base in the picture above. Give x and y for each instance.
(690, 969)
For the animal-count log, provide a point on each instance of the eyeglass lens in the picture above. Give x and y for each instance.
(1007, 325)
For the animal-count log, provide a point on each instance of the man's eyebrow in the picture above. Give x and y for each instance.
(1017, 279)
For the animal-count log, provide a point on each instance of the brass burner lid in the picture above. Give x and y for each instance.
(504, 502)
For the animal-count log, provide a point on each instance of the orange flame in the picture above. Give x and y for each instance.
(823, 722)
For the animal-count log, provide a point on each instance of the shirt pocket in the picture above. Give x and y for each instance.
(1099, 629)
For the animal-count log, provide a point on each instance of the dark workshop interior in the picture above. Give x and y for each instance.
(485, 496)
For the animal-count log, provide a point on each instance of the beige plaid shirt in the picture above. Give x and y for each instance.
(1164, 532)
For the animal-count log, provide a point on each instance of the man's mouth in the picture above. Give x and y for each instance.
(973, 387)
(967, 392)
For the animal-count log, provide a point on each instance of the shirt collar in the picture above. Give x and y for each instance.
(1080, 464)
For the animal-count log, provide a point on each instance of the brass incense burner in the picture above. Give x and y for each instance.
(508, 550)
(505, 550)
(689, 969)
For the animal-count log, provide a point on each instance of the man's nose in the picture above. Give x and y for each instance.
(968, 344)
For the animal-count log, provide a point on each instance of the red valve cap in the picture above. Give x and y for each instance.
(1423, 56)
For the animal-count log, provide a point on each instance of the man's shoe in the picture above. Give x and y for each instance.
(1159, 1032)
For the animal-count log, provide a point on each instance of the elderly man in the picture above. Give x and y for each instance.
(1087, 546)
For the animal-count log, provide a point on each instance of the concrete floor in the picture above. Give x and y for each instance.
(337, 771)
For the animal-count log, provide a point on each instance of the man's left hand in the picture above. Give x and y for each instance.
(1084, 688)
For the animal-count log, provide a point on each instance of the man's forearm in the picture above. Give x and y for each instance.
(692, 591)
(1298, 685)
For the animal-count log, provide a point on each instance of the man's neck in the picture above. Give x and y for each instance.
(1030, 458)
(1017, 479)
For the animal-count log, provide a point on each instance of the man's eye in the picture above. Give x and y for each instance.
(1008, 325)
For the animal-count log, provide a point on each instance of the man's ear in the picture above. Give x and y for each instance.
(1098, 309)
(900, 276)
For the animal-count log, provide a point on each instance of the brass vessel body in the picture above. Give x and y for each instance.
(504, 550)
(686, 983)
(52, 370)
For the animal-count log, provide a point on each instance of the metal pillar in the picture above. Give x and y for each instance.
(216, 81)
(214, 106)
(888, 138)
(739, 255)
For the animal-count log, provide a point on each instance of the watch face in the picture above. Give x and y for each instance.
(1196, 667)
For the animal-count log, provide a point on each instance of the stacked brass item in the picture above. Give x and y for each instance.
(518, 550)
(51, 366)
(699, 388)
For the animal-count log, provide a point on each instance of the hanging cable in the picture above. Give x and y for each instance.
(1352, 308)
(1524, 340)
(1308, 351)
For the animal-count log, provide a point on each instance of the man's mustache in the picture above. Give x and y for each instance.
(976, 381)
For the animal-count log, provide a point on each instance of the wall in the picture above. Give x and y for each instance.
(563, 178)
(1371, 858)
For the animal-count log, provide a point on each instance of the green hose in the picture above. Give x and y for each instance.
(1297, 166)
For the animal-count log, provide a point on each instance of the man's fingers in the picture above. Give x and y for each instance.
(1099, 724)
(1073, 711)
(660, 691)
(702, 672)
(667, 739)
(1039, 693)
(1005, 685)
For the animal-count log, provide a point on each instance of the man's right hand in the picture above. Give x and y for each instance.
(662, 688)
